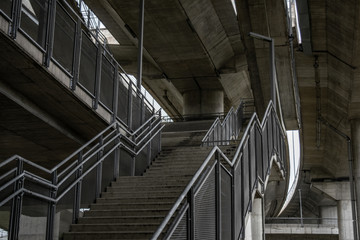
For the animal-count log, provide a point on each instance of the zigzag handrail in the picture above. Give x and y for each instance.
(217, 152)
(75, 166)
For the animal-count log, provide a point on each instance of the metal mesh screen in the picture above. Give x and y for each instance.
(123, 100)
(135, 112)
(125, 163)
(64, 38)
(107, 83)
(259, 153)
(225, 204)
(205, 209)
(88, 64)
(107, 171)
(237, 198)
(5, 7)
(265, 149)
(180, 232)
(141, 162)
(246, 176)
(33, 218)
(252, 158)
(33, 20)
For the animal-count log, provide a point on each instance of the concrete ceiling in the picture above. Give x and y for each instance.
(192, 45)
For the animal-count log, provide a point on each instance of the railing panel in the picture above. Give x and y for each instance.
(123, 100)
(88, 189)
(5, 7)
(107, 171)
(259, 153)
(265, 147)
(88, 56)
(33, 218)
(5, 212)
(238, 201)
(64, 214)
(64, 39)
(126, 161)
(246, 176)
(180, 232)
(252, 158)
(141, 162)
(107, 83)
(33, 20)
(205, 209)
(225, 205)
(136, 108)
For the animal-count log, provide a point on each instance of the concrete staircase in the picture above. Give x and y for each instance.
(134, 207)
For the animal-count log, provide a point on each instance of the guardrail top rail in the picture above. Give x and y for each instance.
(242, 158)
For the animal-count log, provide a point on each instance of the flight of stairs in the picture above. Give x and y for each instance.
(134, 207)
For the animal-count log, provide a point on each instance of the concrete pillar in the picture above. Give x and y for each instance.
(257, 220)
(345, 223)
(355, 138)
(203, 102)
(339, 191)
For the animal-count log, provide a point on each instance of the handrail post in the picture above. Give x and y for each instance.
(218, 195)
(50, 31)
(51, 209)
(99, 168)
(98, 75)
(15, 17)
(130, 106)
(77, 198)
(117, 154)
(16, 203)
(233, 226)
(115, 93)
(149, 147)
(76, 56)
(191, 215)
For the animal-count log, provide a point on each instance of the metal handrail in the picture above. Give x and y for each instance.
(48, 183)
(223, 123)
(254, 119)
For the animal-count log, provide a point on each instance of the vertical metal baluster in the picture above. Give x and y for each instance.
(50, 31)
(117, 154)
(233, 226)
(77, 56)
(99, 168)
(191, 218)
(218, 195)
(98, 75)
(51, 209)
(77, 198)
(116, 93)
(16, 205)
(130, 106)
(149, 147)
(15, 17)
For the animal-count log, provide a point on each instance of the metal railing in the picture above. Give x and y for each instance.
(217, 199)
(223, 132)
(51, 199)
(64, 39)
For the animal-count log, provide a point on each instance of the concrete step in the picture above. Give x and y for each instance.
(140, 204)
(155, 219)
(140, 194)
(145, 188)
(114, 227)
(147, 181)
(127, 200)
(108, 235)
(127, 212)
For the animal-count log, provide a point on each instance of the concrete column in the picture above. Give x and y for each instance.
(339, 191)
(355, 138)
(345, 223)
(203, 102)
(257, 220)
